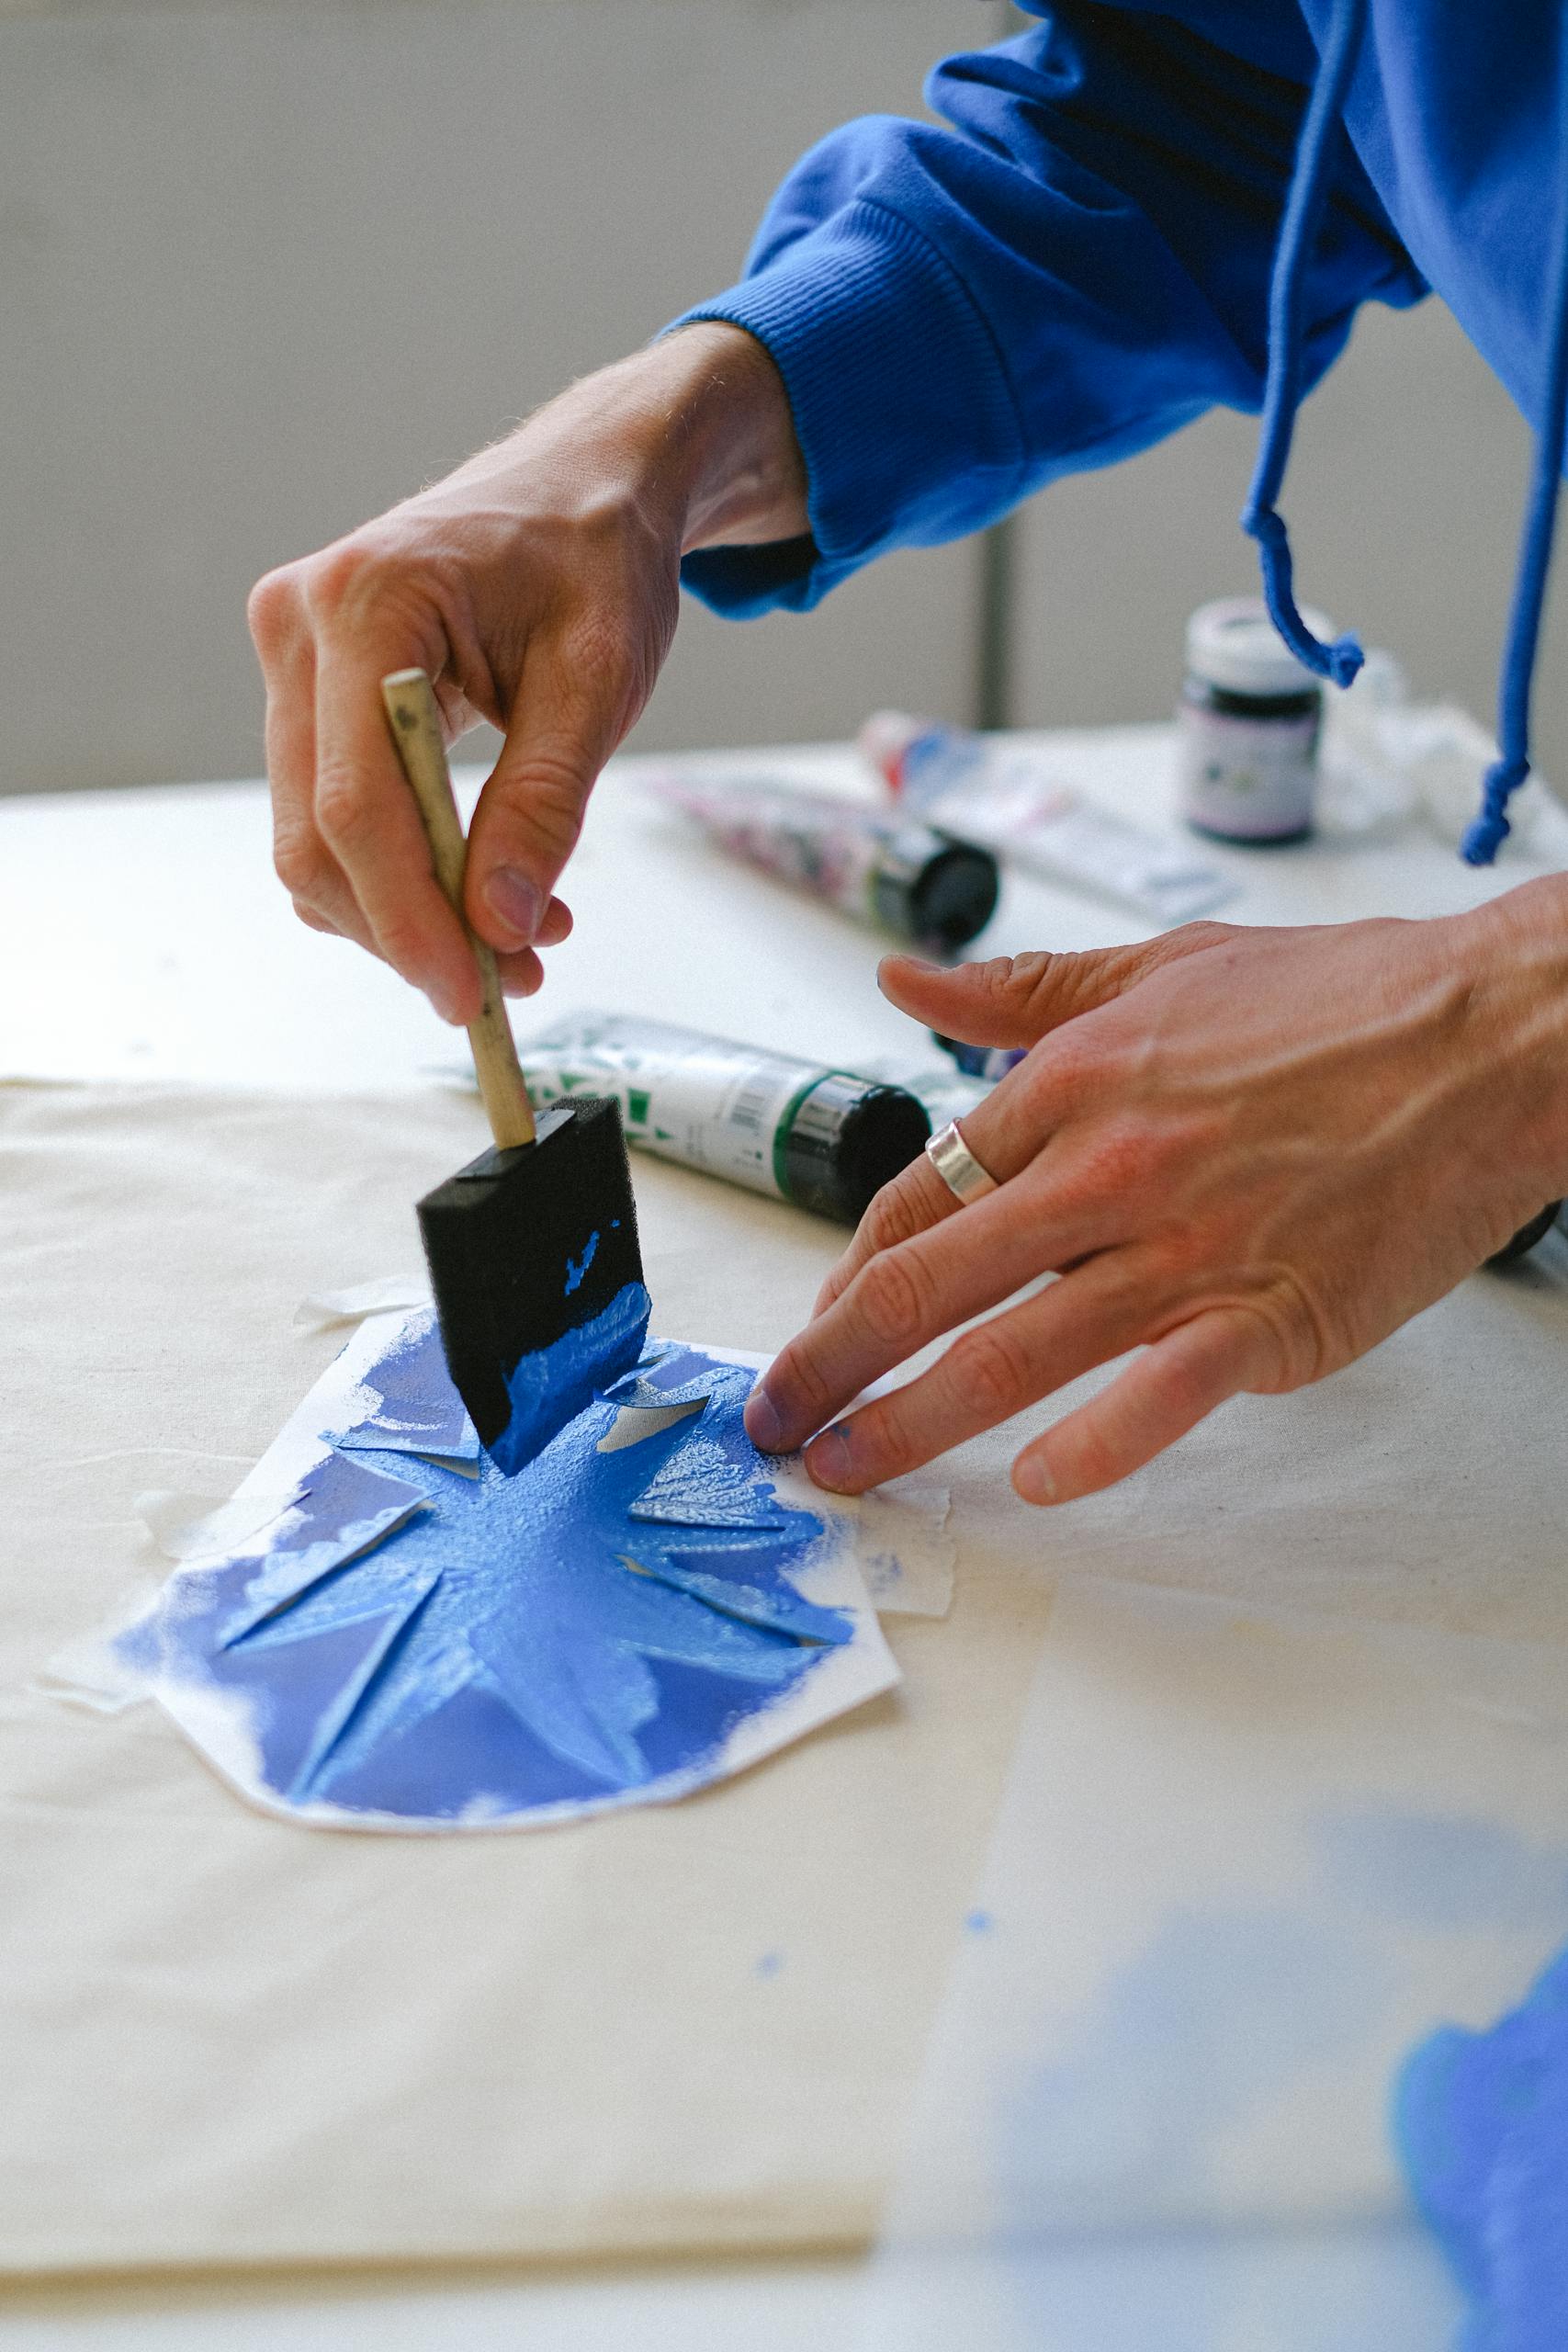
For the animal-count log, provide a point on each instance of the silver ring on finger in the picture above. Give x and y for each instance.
(957, 1166)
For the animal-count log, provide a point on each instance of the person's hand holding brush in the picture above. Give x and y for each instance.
(537, 587)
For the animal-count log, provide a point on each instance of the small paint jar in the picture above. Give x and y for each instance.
(1247, 726)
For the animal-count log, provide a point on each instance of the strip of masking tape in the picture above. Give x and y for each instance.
(325, 1310)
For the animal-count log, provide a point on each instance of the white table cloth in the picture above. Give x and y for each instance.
(1421, 1487)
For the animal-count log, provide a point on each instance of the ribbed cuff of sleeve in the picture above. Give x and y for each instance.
(900, 399)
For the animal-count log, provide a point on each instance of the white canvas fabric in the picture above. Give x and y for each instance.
(225, 2039)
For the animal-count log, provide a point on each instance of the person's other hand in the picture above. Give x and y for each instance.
(538, 585)
(1247, 1153)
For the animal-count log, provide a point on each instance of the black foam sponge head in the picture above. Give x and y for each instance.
(528, 1245)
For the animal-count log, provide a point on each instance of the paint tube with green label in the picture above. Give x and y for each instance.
(825, 1139)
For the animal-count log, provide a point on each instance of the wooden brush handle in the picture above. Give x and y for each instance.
(416, 730)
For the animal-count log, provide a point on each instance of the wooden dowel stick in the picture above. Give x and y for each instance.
(415, 721)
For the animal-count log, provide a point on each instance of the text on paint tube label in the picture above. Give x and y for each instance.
(695, 1099)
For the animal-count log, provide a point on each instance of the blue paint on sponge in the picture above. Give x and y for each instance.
(550, 1387)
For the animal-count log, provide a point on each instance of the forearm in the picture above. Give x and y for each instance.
(1073, 263)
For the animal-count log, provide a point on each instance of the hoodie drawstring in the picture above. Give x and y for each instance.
(1282, 390)
(1282, 397)
(1490, 829)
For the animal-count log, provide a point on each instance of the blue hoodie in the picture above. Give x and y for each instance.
(1130, 215)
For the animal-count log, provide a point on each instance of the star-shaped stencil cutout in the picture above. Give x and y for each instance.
(598, 1622)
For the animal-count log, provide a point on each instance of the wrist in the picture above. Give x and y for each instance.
(691, 436)
(723, 428)
(701, 422)
(1516, 963)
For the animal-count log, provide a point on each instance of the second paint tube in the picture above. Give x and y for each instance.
(890, 868)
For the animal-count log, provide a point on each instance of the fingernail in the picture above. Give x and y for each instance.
(1033, 1481)
(518, 902)
(828, 1458)
(763, 1425)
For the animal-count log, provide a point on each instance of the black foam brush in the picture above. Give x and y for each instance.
(533, 1246)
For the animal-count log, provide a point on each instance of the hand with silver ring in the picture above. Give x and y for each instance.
(1249, 1155)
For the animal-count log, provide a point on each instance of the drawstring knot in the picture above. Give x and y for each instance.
(1282, 389)
(1337, 661)
(1491, 829)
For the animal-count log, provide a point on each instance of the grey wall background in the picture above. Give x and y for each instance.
(209, 216)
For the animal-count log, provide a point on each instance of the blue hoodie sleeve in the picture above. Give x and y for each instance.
(1072, 266)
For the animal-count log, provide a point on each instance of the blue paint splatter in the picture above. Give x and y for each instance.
(577, 1267)
(978, 1923)
(550, 1386)
(769, 1965)
(510, 1643)
(1482, 2123)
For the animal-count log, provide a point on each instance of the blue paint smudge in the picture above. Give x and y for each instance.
(577, 1267)
(498, 1645)
(1480, 2121)
(769, 1965)
(978, 1923)
(1204, 2031)
(1442, 1871)
(550, 1386)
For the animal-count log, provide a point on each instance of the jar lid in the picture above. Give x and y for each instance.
(1234, 643)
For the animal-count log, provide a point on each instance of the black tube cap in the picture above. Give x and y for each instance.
(935, 889)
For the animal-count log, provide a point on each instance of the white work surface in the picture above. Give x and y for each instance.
(142, 936)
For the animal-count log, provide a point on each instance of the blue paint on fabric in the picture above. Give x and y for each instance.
(770, 1964)
(740, 1581)
(978, 1923)
(550, 1386)
(415, 1409)
(1195, 2040)
(1482, 2124)
(1442, 1871)
(704, 1486)
(343, 1508)
(510, 1643)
